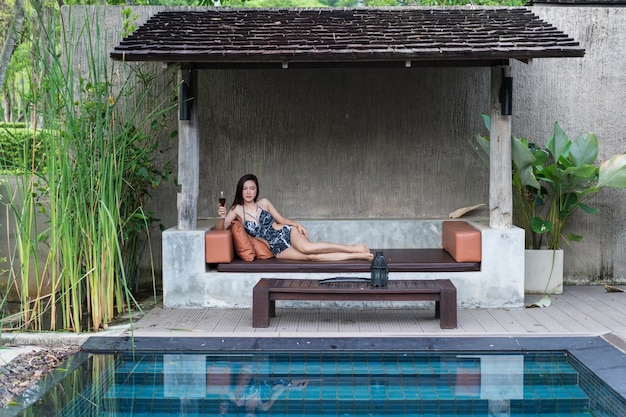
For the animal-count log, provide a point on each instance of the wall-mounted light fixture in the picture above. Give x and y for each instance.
(506, 94)
(185, 97)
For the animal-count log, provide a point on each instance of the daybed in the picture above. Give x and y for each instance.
(460, 251)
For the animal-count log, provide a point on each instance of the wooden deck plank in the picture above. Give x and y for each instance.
(391, 320)
(508, 321)
(587, 316)
(327, 321)
(175, 321)
(353, 319)
(426, 321)
(194, 319)
(570, 316)
(224, 322)
(543, 317)
(523, 322)
(468, 322)
(599, 310)
(609, 305)
(154, 318)
(568, 324)
(488, 321)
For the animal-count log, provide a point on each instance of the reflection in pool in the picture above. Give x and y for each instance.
(340, 383)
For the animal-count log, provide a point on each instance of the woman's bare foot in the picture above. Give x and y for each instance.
(360, 248)
(368, 256)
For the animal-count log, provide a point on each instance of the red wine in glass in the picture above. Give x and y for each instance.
(222, 200)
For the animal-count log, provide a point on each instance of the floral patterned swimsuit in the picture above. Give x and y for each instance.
(278, 239)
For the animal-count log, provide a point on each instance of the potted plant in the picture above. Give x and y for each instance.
(550, 185)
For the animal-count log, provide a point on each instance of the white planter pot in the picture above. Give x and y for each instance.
(543, 271)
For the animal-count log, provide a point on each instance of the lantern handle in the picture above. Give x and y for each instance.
(343, 279)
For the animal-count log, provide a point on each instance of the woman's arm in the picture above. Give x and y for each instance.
(225, 222)
(276, 392)
(267, 205)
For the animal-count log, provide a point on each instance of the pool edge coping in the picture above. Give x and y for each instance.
(596, 353)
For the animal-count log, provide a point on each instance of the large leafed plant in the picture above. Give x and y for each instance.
(552, 183)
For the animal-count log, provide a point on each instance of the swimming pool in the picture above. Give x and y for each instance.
(339, 377)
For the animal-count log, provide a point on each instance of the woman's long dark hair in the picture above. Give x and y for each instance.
(239, 192)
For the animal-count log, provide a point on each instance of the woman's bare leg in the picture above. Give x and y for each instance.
(303, 249)
(293, 254)
(304, 245)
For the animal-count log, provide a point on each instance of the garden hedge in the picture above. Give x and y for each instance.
(16, 147)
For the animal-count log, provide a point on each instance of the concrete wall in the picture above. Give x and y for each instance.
(583, 95)
(395, 143)
(345, 143)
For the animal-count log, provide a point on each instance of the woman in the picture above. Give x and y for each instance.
(286, 239)
(251, 392)
(255, 395)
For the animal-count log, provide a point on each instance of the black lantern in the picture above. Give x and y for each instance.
(380, 271)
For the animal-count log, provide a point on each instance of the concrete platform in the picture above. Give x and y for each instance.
(188, 282)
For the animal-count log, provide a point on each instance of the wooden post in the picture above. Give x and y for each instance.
(500, 182)
(188, 150)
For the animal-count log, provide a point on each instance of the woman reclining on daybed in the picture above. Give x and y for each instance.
(261, 219)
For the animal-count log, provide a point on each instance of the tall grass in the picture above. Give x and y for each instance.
(99, 166)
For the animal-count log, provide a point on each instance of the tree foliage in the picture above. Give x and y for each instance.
(11, 37)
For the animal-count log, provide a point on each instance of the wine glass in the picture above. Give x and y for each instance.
(222, 199)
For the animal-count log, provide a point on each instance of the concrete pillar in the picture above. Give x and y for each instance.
(500, 181)
(188, 150)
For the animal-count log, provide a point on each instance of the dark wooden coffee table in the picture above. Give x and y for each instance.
(268, 290)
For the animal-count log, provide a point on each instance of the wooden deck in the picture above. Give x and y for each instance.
(585, 310)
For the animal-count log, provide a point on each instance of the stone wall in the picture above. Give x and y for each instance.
(583, 95)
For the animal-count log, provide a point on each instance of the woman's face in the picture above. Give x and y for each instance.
(249, 191)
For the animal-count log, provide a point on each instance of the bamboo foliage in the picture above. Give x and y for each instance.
(87, 183)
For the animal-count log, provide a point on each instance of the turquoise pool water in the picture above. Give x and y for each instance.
(325, 383)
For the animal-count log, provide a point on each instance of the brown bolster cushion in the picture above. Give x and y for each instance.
(218, 246)
(462, 241)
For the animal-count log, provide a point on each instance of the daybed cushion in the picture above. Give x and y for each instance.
(248, 247)
(261, 249)
(462, 241)
(218, 246)
(398, 260)
(242, 242)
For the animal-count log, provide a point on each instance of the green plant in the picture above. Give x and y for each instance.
(89, 178)
(552, 184)
(17, 141)
(13, 125)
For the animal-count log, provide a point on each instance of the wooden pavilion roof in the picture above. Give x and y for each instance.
(460, 36)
